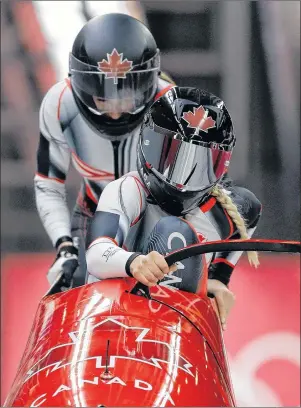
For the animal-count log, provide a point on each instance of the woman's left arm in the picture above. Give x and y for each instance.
(223, 263)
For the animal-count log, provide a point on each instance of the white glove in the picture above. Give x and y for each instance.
(66, 263)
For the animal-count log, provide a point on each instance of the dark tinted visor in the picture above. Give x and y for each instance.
(126, 88)
(186, 165)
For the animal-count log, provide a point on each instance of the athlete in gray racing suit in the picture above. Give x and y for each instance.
(175, 199)
(93, 119)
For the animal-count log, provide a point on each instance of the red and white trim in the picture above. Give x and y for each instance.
(103, 240)
(42, 176)
(90, 172)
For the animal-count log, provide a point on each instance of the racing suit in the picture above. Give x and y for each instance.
(126, 218)
(66, 137)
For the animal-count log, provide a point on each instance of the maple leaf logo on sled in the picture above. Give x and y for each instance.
(115, 67)
(199, 120)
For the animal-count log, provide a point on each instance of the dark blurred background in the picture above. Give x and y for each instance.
(246, 52)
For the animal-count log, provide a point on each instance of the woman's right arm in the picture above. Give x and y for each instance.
(120, 206)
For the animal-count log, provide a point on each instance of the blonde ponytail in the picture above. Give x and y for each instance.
(225, 201)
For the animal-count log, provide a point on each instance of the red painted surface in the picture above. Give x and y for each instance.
(199, 310)
(154, 360)
(262, 337)
(23, 283)
(263, 334)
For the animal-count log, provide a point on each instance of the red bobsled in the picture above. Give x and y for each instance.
(102, 344)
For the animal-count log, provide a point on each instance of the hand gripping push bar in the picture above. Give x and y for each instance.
(204, 248)
(263, 245)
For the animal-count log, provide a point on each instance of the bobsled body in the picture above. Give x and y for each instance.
(99, 345)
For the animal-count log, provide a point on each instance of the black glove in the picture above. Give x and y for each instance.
(221, 272)
(66, 263)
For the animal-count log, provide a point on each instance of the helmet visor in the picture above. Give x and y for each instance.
(184, 164)
(114, 85)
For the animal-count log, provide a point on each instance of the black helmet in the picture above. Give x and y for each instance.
(185, 146)
(114, 59)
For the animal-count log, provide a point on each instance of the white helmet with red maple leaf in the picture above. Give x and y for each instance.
(185, 147)
(114, 67)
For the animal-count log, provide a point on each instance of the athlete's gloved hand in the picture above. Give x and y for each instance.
(66, 263)
(225, 299)
(149, 269)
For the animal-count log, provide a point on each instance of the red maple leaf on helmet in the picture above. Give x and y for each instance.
(199, 119)
(115, 67)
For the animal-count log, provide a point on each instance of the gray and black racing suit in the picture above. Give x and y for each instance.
(126, 222)
(66, 137)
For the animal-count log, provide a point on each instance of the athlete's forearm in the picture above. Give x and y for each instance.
(52, 207)
(224, 263)
(105, 259)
